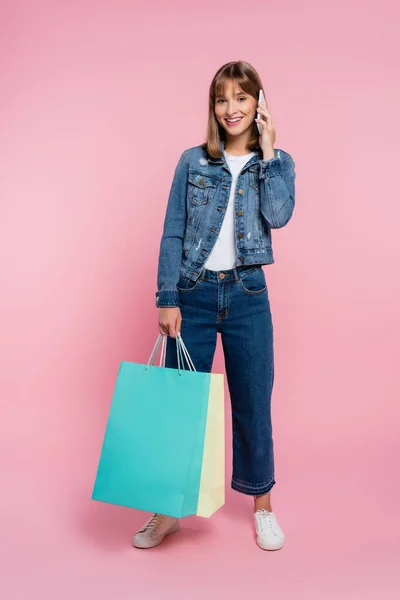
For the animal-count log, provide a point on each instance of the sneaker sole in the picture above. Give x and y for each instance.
(174, 529)
(272, 548)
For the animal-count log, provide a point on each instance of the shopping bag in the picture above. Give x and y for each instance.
(163, 449)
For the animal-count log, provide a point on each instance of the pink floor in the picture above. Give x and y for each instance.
(341, 519)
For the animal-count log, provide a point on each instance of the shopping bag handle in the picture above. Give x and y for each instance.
(163, 341)
(182, 348)
(181, 352)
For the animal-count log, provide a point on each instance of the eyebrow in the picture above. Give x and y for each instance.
(238, 94)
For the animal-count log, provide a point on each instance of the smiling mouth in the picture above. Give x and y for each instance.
(233, 121)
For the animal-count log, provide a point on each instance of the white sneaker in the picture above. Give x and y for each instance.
(269, 535)
(154, 531)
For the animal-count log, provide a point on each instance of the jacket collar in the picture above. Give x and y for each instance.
(221, 160)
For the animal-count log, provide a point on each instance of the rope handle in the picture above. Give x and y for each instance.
(181, 351)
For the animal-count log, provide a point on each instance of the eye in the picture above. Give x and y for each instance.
(239, 98)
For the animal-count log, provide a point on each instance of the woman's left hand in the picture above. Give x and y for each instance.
(267, 138)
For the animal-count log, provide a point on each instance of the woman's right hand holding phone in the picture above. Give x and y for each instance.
(169, 320)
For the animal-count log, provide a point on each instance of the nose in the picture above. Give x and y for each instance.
(228, 113)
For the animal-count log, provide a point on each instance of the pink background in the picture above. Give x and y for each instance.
(98, 100)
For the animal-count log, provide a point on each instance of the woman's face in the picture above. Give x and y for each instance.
(235, 110)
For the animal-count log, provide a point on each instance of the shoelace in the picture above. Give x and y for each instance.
(152, 523)
(264, 517)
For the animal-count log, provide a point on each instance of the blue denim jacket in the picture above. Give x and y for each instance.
(264, 200)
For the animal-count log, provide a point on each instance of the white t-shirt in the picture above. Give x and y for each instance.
(223, 254)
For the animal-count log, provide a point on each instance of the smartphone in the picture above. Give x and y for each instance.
(260, 99)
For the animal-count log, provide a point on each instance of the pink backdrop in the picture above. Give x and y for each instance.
(98, 100)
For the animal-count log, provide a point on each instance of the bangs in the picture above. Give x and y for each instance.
(243, 84)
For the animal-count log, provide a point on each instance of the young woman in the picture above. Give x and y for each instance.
(226, 196)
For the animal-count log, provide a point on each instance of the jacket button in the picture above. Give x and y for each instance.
(201, 181)
(240, 191)
(239, 213)
(240, 235)
(241, 258)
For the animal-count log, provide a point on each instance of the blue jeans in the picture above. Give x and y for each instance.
(235, 304)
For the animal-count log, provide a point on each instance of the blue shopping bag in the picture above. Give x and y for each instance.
(163, 448)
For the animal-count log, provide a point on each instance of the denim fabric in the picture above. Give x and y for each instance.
(199, 195)
(235, 303)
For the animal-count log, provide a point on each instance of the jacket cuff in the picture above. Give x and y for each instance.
(270, 167)
(167, 298)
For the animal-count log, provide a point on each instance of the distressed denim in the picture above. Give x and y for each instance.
(199, 195)
(235, 304)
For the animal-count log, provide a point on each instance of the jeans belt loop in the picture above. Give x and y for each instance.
(235, 273)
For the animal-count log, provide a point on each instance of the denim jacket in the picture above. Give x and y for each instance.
(199, 194)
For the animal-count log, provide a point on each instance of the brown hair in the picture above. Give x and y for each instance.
(247, 78)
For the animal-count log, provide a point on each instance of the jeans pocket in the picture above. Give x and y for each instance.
(253, 283)
(186, 285)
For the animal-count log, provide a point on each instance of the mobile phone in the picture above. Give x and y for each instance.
(260, 99)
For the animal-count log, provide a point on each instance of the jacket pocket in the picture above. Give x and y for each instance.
(201, 188)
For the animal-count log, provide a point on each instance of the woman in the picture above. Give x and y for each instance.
(226, 196)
